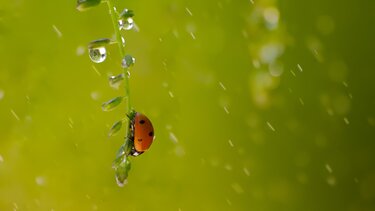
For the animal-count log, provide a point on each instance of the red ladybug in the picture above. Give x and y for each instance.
(142, 133)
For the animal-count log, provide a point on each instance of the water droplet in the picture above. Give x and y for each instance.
(40, 180)
(256, 63)
(230, 143)
(276, 69)
(237, 188)
(228, 167)
(171, 94)
(192, 35)
(128, 61)
(115, 128)
(80, 50)
(1, 94)
(271, 16)
(96, 70)
(246, 171)
(328, 167)
(115, 81)
(222, 86)
(173, 137)
(70, 123)
(123, 41)
(270, 52)
(111, 104)
(98, 55)
(95, 95)
(346, 120)
(301, 101)
(15, 114)
(271, 127)
(180, 151)
(188, 11)
(226, 110)
(58, 32)
(126, 23)
(1, 159)
(299, 67)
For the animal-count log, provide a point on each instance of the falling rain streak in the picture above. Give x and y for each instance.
(222, 86)
(271, 127)
(299, 67)
(58, 32)
(14, 114)
(226, 110)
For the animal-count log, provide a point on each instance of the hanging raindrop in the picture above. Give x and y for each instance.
(97, 51)
(98, 55)
(127, 61)
(126, 24)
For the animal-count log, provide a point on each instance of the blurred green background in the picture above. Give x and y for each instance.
(257, 105)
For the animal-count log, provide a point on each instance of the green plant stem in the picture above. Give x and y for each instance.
(114, 18)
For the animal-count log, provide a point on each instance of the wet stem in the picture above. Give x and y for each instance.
(114, 17)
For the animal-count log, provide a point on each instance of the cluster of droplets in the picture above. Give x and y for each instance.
(98, 53)
(126, 21)
(97, 48)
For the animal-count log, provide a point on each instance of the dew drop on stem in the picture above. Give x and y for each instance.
(126, 23)
(127, 61)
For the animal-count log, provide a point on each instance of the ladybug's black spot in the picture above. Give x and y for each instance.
(151, 133)
(139, 140)
(142, 122)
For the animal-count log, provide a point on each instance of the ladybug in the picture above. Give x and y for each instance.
(142, 133)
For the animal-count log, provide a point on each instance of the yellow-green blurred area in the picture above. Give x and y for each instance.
(256, 104)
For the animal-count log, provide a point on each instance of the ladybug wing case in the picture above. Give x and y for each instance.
(143, 132)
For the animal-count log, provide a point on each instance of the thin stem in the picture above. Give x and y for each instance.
(113, 14)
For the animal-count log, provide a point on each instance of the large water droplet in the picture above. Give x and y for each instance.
(115, 81)
(126, 23)
(98, 55)
(128, 61)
